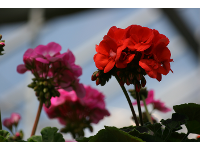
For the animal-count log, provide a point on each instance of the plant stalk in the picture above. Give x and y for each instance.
(147, 112)
(37, 118)
(129, 101)
(139, 107)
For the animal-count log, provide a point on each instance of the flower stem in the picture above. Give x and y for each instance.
(139, 107)
(128, 99)
(147, 112)
(37, 118)
(0, 121)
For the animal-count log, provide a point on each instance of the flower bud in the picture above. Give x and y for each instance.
(35, 88)
(93, 77)
(131, 76)
(45, 90)
(97, 81)
(97, 74)
(137, 87)
(143, 82)
(2, 44)
(45, 83)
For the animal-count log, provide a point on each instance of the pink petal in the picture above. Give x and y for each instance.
(21, 69)
(42, 60)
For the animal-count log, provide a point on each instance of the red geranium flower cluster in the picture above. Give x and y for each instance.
(138, 49)
(48, 64)
(78, 113)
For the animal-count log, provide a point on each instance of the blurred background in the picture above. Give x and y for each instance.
(80, 30)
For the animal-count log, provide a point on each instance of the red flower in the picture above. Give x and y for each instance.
(141, 47)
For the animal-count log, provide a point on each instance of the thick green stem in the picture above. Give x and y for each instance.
(147, 112)
(0, 121)
(139, 107)
(128, 99)
(37, 118)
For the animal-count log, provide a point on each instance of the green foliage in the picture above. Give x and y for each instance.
(49, 134)
(35, 138)
(192, 111)
(4, 135)
(110, 134)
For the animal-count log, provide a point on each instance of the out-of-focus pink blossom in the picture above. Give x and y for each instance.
(15, 117)
(157, 104)
(160, 106)
(17, 134)
(7, 123)
(46, 61)
(69, 108)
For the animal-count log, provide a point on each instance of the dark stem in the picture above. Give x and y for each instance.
(139, 107)
(129, 101)
(37, 118)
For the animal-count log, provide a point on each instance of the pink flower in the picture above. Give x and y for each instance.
(46, 62)
(7, 123)
(15, 117)
(17, 134)
(160, 106)
(157, 104)
(69, 108)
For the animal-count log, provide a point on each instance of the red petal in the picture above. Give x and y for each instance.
(100, 61)
(109, 66)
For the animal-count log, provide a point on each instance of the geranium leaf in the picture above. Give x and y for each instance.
(4, 134)
(127, 129)
(35, 138)
(84, 139)
(2, 139)
(156, 129)
(145, 137)
(49, 134)
(192, 111)
(113, 134)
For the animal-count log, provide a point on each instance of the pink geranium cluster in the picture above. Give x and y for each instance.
(69, 108)
(13, 120)
(77, 114)
(46, 61)
(157, 104)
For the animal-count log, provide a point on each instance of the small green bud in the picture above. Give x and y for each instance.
(45, 90)
(35, 88)
(45, 83)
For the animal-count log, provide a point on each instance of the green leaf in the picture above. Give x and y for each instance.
(145, 137)
(84, 139)
(127, 129)
(4, 134)
(192, 111)
(49, 135)
(2, 139)
(156, 129)
(113, 134)
(35, 138)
